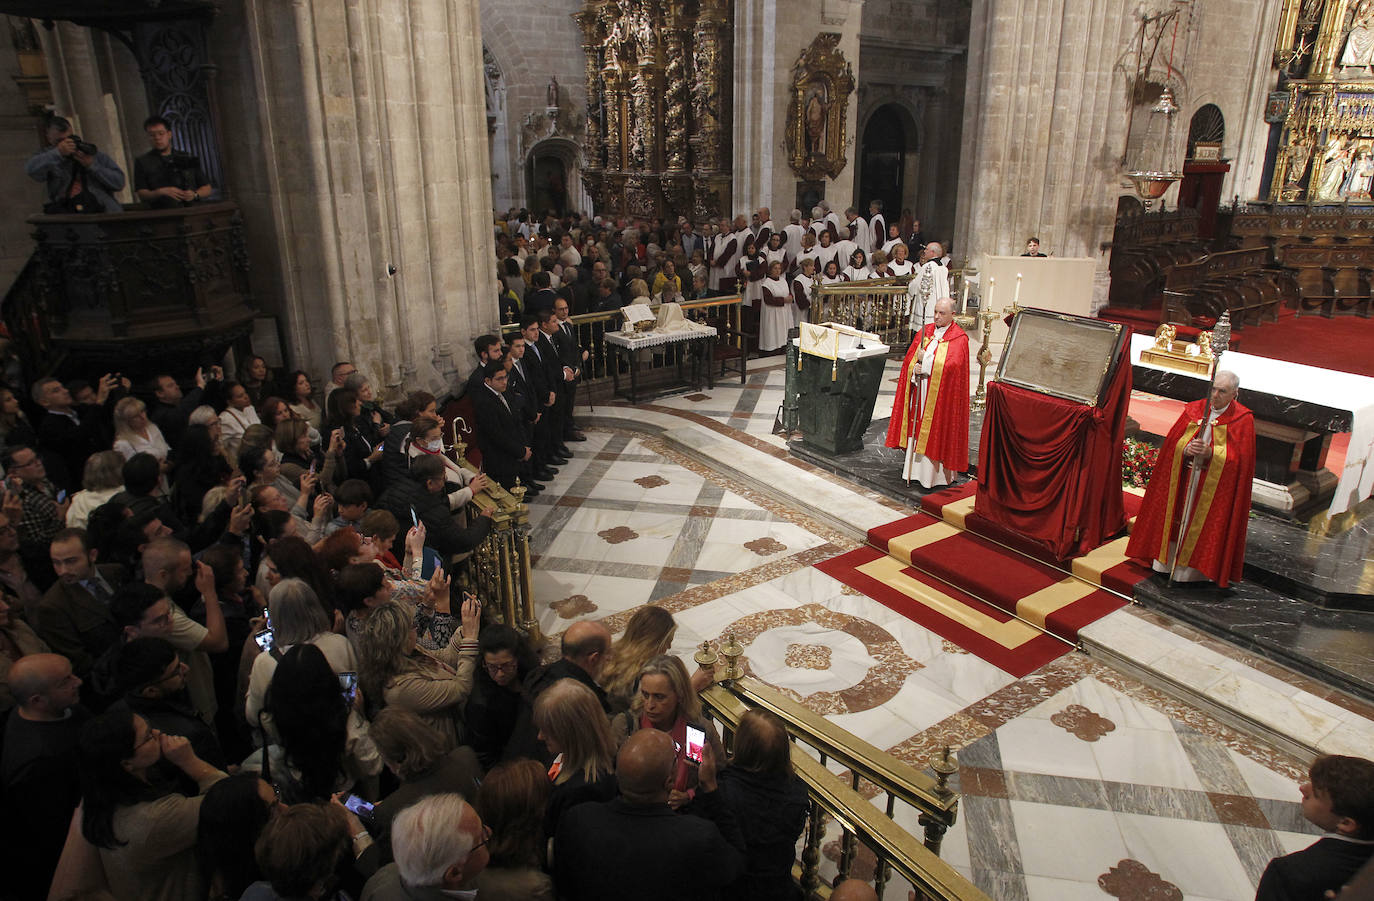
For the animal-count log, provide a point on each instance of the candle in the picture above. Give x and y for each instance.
(985, 305)
(963, 305)
(1016, 295)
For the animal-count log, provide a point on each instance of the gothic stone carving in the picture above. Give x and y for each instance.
(822, 81)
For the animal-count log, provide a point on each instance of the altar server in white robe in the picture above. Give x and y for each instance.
(930, 283)
(792, 235)
(801, 287)
(778, 313)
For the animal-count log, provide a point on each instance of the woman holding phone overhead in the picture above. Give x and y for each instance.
(667, 702)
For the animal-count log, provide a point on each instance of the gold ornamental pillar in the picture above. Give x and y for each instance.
(674, 94)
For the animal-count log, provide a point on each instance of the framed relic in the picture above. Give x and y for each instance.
(1066, 356)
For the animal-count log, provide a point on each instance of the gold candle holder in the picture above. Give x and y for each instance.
(732, 651)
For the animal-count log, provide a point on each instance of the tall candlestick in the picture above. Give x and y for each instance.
(992, 285)
(963, 305)
(1016, 295)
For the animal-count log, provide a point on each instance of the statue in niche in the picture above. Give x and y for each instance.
(553, 92)
(816, 107)
(1335, 166)
(1359, 41)
(1357, 184)
(1298, 157)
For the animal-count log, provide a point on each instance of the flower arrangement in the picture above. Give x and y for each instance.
(1138, 460)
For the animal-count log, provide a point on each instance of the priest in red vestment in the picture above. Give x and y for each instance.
(940, 421)
(1214, 545)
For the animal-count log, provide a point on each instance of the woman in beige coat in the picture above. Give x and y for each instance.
(433, 684)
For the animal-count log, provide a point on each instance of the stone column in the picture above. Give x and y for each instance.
(358, 138)
(1044, 127)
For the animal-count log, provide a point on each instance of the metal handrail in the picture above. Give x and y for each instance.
(896, 849)
(882, 306)
(900, 781)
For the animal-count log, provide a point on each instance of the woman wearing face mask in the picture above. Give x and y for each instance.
(426, 439)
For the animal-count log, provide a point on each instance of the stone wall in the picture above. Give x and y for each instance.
(20, 196)
(913, 55)
(356, 142)
(530, 42)
(769, 37)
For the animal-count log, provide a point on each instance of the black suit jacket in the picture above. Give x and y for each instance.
(66, 445)
(1328, 863)
(441, 531)
(75, 624)
(692, 242)
(521, 393)
(500, 434)
(551, 362)
(569, 352)
(541, 300)
(617, 850)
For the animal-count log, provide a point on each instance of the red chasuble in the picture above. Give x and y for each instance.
(1215, 542)
(942, 431)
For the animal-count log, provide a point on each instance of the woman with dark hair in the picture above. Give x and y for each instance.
(295, 559)
(146, 836)
(300, 397)
(424, 762)
(321, 745)
(232, 816)
(511, 804)
(15, 427)
(769, 803)
(361, 457)
(197, 468)
(239, 413)
(494, 705)
(273, 411)
(255, 378)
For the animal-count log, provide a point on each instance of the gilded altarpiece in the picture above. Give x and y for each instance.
(659, 81)
(1325, 52)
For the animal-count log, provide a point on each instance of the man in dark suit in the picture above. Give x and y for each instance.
(574, 356)
(636, 845)
(487, 348)
(543, 296)
(68, 433)
(544, 397)
(74, 615)
(521, 393)
(1338, 798)
(549, 430)
(505, 455)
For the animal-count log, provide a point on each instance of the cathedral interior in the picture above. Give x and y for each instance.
(1183, 164)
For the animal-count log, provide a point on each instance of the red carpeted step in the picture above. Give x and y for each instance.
(1124, 576)
(879, 536)
(934, 503)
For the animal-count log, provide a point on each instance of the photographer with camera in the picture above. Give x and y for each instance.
(79, 178)
(164, 177)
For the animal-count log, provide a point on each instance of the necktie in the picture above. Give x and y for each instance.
(98, 590)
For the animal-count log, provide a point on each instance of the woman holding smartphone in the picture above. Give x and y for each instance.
(667, 702)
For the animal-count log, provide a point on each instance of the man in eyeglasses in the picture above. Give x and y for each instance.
(151, 681)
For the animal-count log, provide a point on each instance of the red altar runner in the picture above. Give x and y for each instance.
(1049, 469)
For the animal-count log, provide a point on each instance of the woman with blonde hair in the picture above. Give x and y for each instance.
(668, 702)
(648, 633)
(573, 726)
(396, 672)
(639, 291)
(102, 479)
(134, 434)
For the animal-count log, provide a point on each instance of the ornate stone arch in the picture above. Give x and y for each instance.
(567, 152)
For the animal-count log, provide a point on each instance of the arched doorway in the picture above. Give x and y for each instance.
(887, 159)
(1204, 169)
(553, 180)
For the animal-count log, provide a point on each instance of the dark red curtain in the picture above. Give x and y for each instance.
(1049, 470)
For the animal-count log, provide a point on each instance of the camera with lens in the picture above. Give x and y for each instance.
(85, 147)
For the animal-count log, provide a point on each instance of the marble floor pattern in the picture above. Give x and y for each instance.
(1078, 781)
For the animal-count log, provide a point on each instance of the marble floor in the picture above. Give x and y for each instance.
(1092, 777)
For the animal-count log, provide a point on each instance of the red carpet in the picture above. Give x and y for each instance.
(964, 587)
(1343, 343)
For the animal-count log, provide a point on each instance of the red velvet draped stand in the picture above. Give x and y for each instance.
(1049, 470)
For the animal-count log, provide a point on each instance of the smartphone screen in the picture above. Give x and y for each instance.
(61, 495)
(696, 740)
(264, 640)
(414, 520)
(362, 809)
(312, 467)
(348, 684)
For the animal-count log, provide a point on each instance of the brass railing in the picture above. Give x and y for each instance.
(499, 568)
(898, 852)
(881, 306)
(591, 328)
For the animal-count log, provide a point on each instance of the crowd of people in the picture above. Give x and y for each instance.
(600, 265)
(233, 662)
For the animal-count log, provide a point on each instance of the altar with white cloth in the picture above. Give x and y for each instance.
(1296, 406)
(671, 330)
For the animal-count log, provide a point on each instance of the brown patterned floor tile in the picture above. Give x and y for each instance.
(1238, 810)
(675, 574)
(703, 511)
(1131, 880)
(569, 501)
(1082, 722)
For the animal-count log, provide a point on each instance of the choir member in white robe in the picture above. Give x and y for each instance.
(777, 315)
